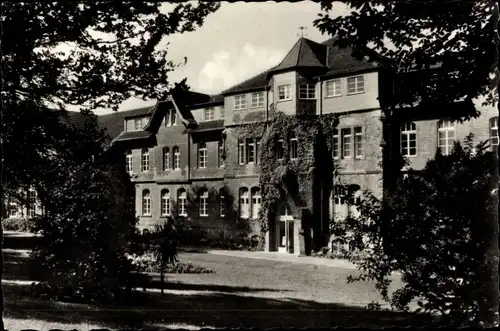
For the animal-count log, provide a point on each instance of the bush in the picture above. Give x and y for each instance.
(149, 263)
(430, 230)
(19, 224)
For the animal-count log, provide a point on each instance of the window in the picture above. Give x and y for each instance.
(294, 148)
(494, 133)
(280, 149)
(307, 91)
(165, 203)
(284, 92)
(335, 144)
(221, 154)
(221, 113)
(240, 102)
(145, 160)
(177, 158)
(166, 158)
(446, 136)
(256, 202)
(146, 203)
(173, 115)
(346, 143)
(241, 152)
(138, 124)
(128, 162)
(409, 139)
(170, 117)
(250, 150)
(340, 207)
(182, 202)
(355, 84)
(222, 203)
(204, 203)
(244, 203)
(333, 88)
(257, 99)
(202, 155)
(358, 142)
(31, 203)
(209, 114)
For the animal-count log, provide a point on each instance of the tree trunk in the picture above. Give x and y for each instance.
(489, 305)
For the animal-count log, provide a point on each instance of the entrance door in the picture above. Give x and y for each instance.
(285, 232)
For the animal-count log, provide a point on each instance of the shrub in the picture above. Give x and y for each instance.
(430, 230)
(149, 263)
(19, 224)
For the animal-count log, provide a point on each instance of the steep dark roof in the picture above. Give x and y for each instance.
(214, 100)
(309, 54)
(207, 126)
(255, 82)
(138, 112)
(340, 60)
(304, 54)
(129, 135)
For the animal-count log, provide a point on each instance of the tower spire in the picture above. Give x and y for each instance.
(302, 31)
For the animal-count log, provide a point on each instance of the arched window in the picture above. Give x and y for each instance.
(256, 202)
(177, 158)
(280, 149)
(165, 203)
(446, 136)
(128, 161)
(145, 160)
(244, 203)
(494, 133)
(294, 148)
(202, 155)
(340, 206)
(204, 203)
(221, 154)
(166, 158)
(408, 139)
(182, 202)
(222, 202)
(146, 203)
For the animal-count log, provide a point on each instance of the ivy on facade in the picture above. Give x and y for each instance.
(282, 178)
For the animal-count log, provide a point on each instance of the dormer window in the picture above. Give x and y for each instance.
(240, 102)
(285, 92)
(139, 123)
(209, 114)
(307, 91)
(257, 99)
(355, 84)
(170, 117)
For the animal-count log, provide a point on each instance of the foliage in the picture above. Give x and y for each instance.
(88, 223)
(149, 263)
(20, 224)
(430, 231)
(281, 177)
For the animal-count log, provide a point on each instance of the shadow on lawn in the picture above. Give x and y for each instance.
(154, 311)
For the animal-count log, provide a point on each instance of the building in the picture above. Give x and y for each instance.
(190, 157)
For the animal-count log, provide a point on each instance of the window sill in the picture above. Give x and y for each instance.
(238, 109)
(256, 107)
(354, 93)
(203, 215)
(165, 216)
(291, 99)
(148, 216)
(333, 96)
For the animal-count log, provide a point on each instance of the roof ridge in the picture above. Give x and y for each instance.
(301, 42)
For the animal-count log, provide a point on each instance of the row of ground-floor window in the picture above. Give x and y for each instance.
(249, 203)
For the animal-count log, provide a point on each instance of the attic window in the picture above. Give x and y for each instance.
(307, 91)
(170, 117)
(240, 102)
(209, 114)
(355, 84)
(140, 123)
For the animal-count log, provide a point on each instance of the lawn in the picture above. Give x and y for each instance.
(240, 293)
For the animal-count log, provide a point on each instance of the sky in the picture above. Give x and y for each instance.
(238, 41)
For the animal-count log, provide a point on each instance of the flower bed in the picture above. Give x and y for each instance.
(148, 263)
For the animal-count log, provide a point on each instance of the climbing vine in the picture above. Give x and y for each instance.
(284, 177)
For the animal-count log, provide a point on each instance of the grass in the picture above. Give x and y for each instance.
(240, 293)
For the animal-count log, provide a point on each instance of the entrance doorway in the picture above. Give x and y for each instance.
(284, 232)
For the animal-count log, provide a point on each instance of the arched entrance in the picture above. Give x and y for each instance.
(285, 230)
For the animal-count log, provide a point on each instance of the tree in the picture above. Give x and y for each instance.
(165, 245)
(427, 231)
(437, 51)
(113, 55)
